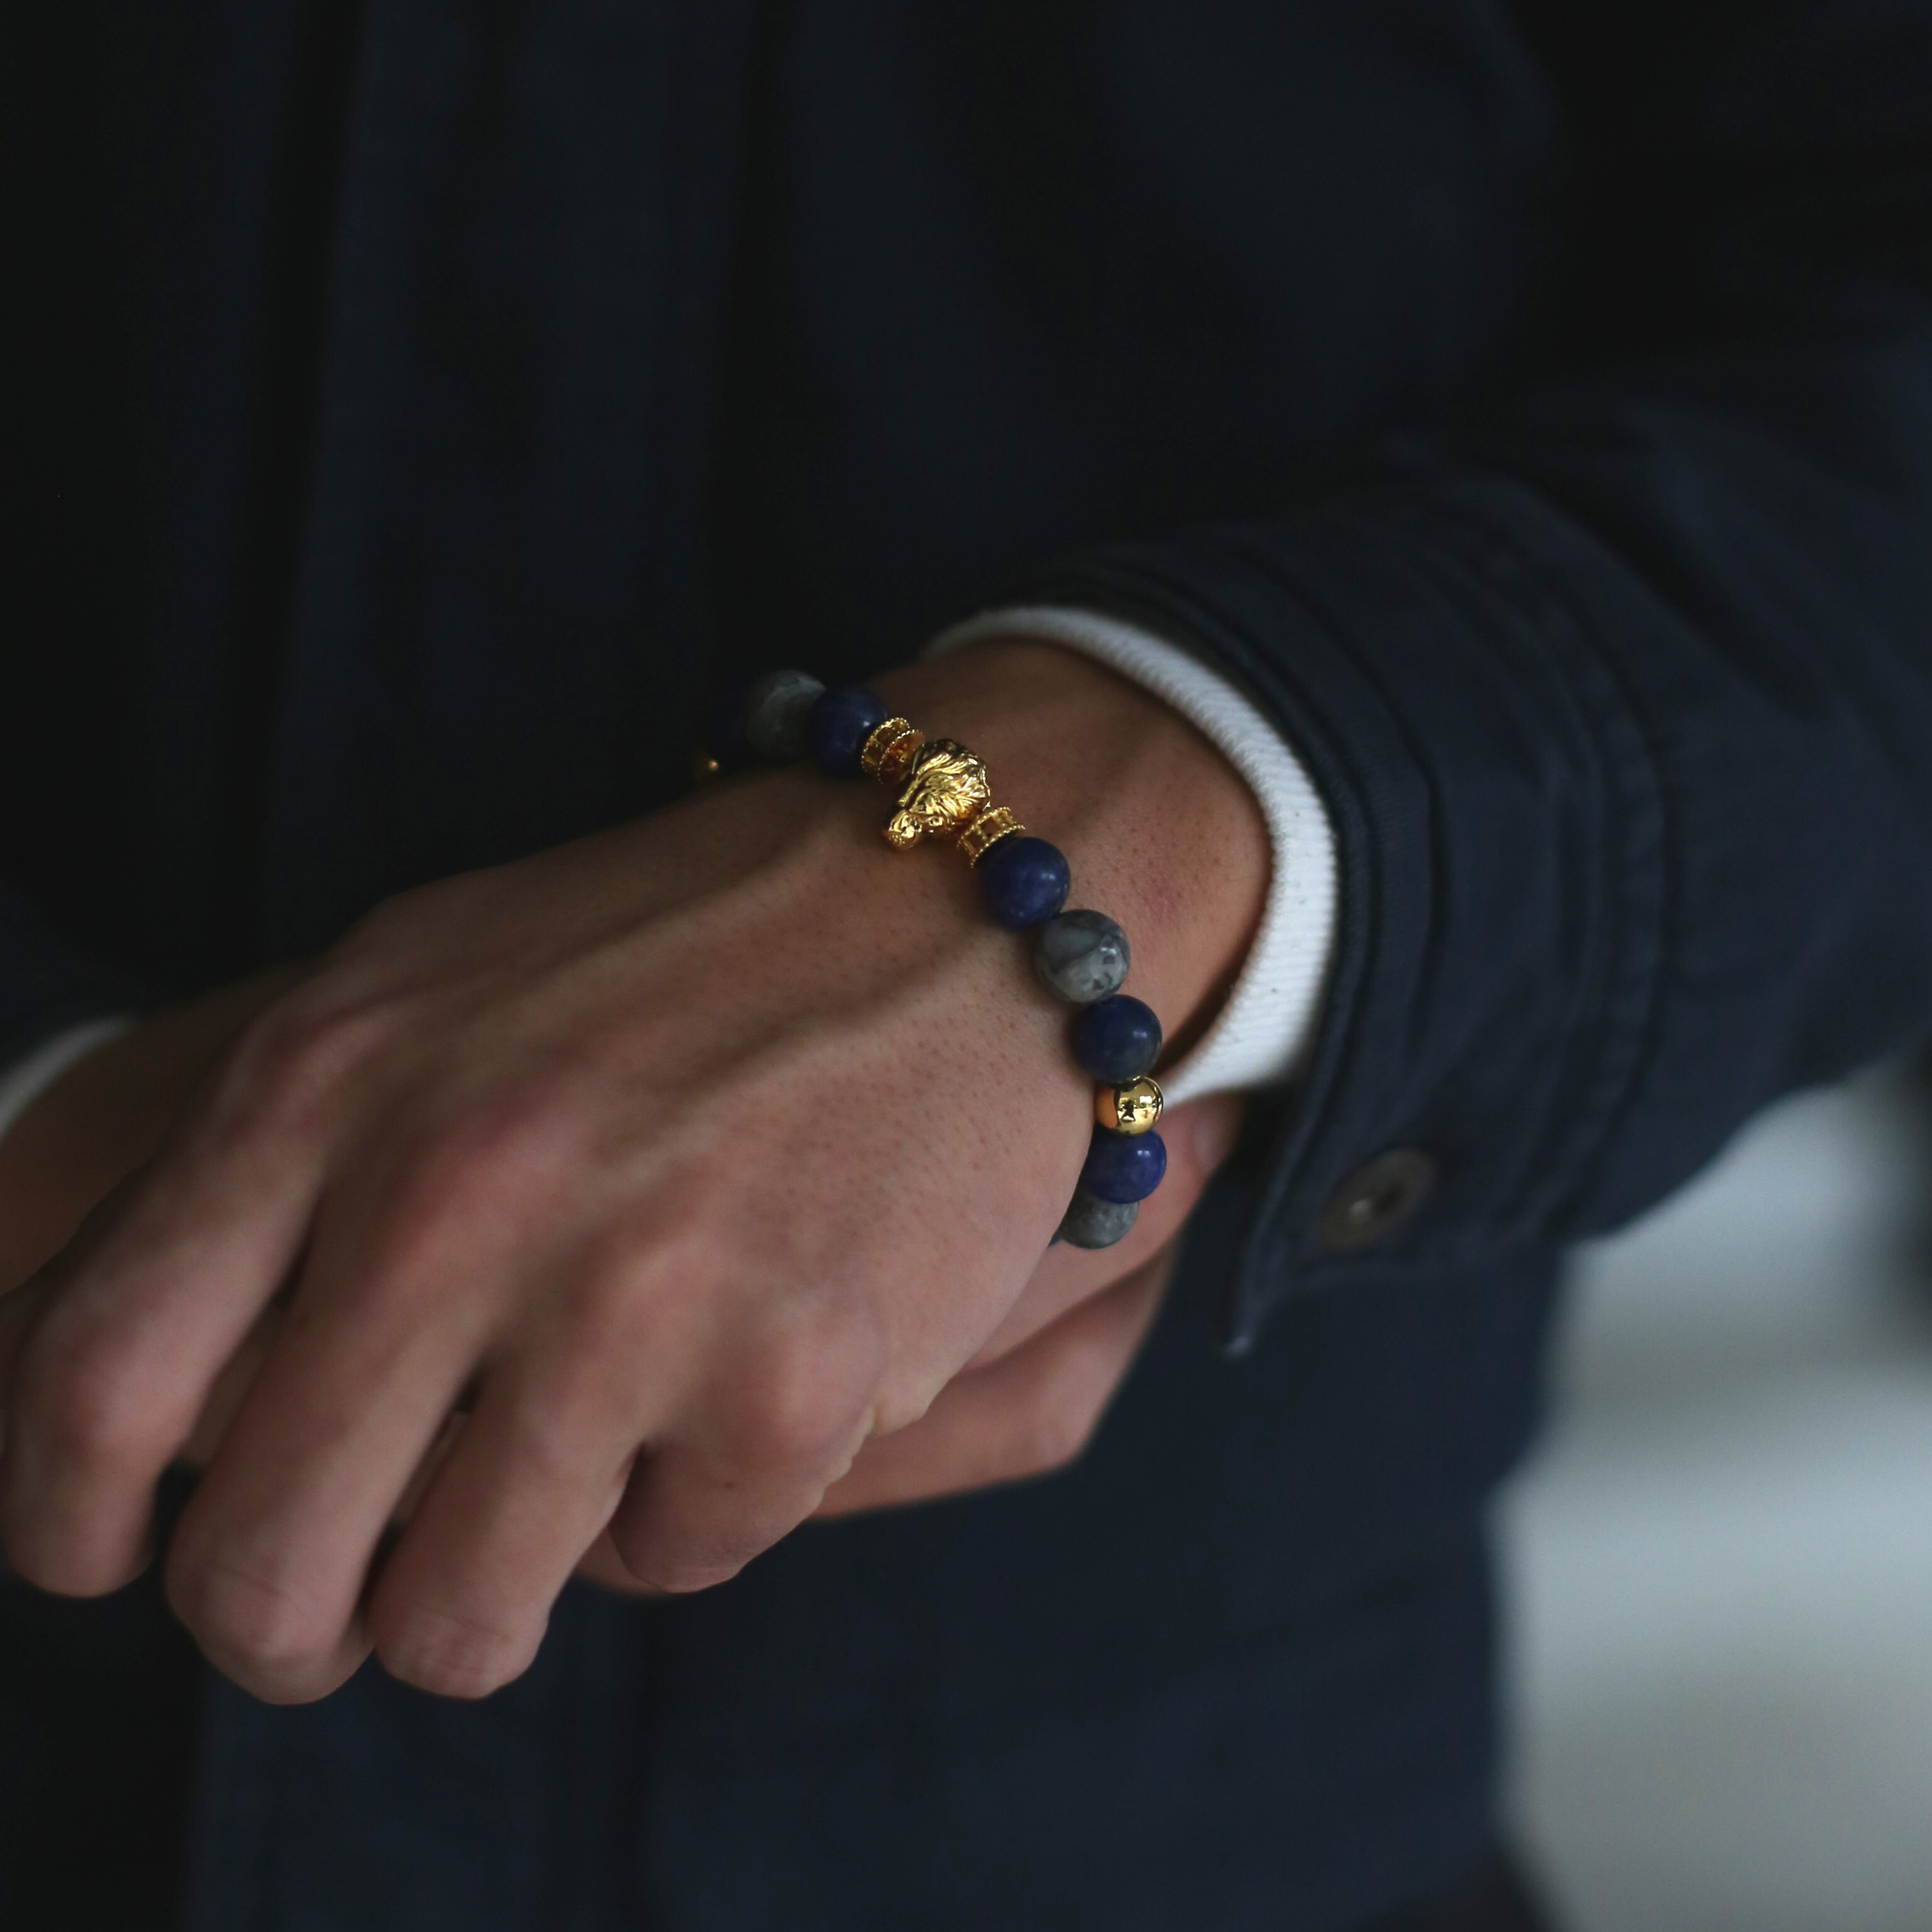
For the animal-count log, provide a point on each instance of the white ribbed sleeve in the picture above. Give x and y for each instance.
(28, 1079)
(1263, 1030)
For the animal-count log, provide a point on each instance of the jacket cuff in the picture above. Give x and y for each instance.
(1499, 835)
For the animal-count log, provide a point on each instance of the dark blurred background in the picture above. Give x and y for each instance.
(1719, 1563)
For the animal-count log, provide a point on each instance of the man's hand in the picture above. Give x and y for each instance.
(1029, 1401)
(689, 1161)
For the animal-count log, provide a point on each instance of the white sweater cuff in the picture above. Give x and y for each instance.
(1263, 1032)
(29, 1077)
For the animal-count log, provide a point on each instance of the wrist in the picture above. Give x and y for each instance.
(1163, 834)
(1161, 837)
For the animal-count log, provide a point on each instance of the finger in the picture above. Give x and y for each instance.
(393, 1311)
(1199, 1136)
(601, 1564)
(530, 1482)
(237, 1376)
(440, 1453)
(21, 1307)
(756, 1453)
(154, 1294)
(1031, 1412)
(231, 1387)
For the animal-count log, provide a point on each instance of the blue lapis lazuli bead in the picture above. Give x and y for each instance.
(837, 726)
(1023, 881)
(1124, 1167)
(1117, 1038)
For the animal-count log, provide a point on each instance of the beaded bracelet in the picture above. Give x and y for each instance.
(1081, 956)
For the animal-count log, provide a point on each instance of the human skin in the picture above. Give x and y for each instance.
(703, 1169)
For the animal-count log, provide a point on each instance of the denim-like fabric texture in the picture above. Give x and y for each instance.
(428, 408)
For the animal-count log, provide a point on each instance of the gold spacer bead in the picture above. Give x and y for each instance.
(704, 768)
(899, 757)
(1131, 1108)
(889, 751)
(995, 823)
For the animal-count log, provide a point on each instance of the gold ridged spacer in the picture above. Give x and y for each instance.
(995, 823)
(1131, 1108)
(889, 751)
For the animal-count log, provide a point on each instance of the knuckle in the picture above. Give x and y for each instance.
(455, 1187)
(507, 1151)
(291, 1058)
(563, 1444)
(90, 1401)
(589, 1388)
(260, 1631)
(796, 1397)
(644, 1288)
(448, 1653)
(431, 1207)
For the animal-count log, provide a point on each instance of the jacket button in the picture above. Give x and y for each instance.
(1377, 1198)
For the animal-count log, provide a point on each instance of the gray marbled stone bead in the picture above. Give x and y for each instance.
(1092, 1223)
(1082, 956)
(775, 713)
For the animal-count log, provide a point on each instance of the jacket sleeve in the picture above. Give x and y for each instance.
(1621, 701)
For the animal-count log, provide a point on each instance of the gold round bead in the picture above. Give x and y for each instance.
(1130, 1109)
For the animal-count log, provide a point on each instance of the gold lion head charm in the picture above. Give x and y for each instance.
(947, 790)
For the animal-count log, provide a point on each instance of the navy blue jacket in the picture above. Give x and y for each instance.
(428, 405)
